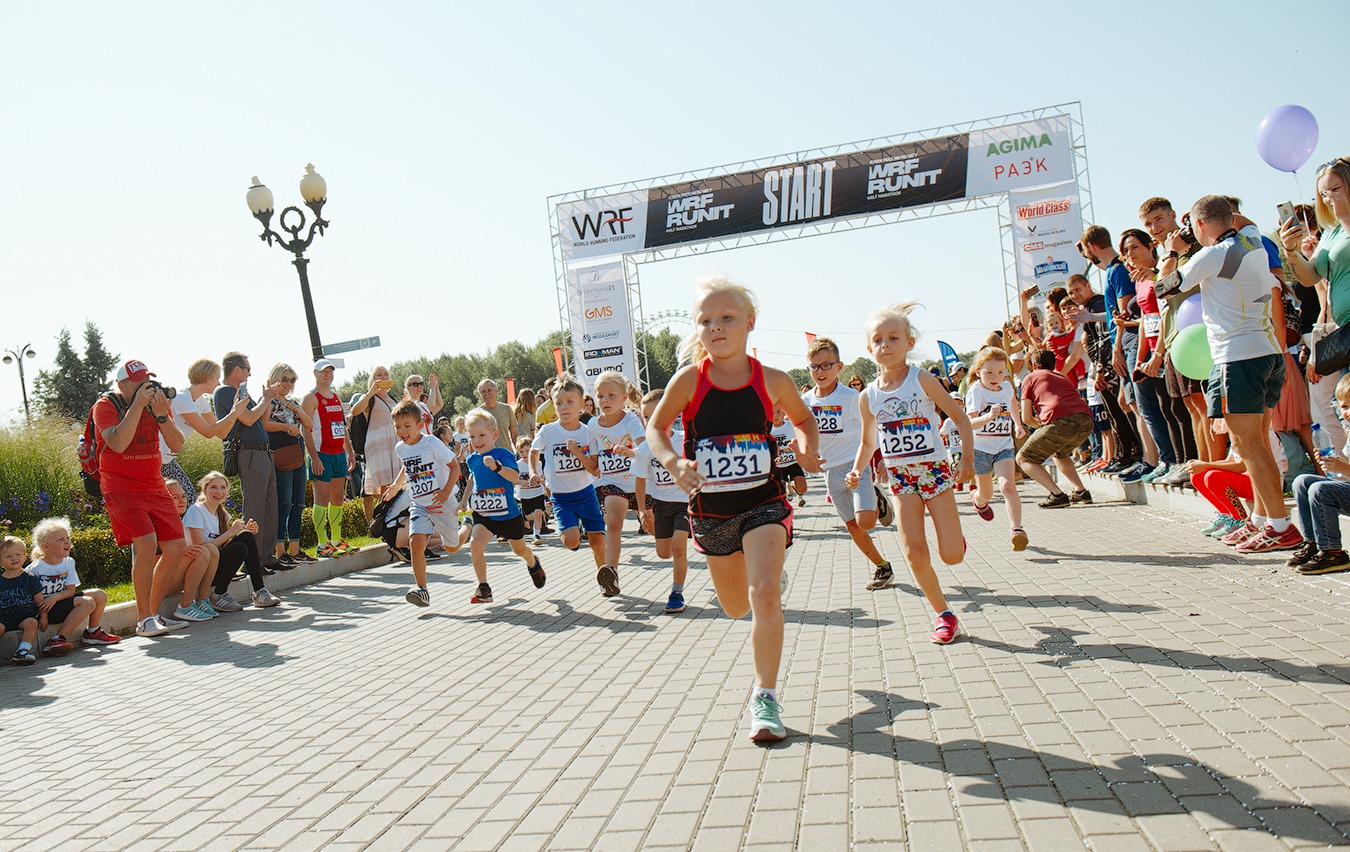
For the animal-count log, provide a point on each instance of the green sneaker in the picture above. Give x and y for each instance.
(765, 726)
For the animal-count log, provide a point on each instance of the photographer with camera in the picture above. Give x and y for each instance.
(257, 473)
(140, 510)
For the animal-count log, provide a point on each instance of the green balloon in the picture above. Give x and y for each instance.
(1190, 352)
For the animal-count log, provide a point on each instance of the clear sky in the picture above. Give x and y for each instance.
(132, 130)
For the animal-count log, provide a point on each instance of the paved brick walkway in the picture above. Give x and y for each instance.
(1126, 685)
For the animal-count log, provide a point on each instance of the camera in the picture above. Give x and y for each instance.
(1188, 235)
(168, 391)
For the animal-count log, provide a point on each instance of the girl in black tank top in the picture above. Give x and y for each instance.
(731, 428)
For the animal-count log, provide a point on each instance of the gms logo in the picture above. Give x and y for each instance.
(609, 224)
(602, 312)
(1051, 267)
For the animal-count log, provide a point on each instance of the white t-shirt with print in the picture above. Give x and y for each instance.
(996, 435)
(523, 491)
(180, 406)
(1235, 284)
(838, 422)
(426, 467)
(660, 484)
(54, 578)
(783, 436)
(563, 471)
(198, 517)
(616, 468)
(951, 435)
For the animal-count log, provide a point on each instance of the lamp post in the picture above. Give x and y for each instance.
(314, 191)
(16, 357)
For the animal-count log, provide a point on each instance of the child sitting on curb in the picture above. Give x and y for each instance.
(63, 602)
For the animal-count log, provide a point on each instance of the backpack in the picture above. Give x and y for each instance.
(360, 425)
(91, 445)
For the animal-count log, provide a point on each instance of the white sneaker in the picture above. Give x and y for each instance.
(188, 613)
(264, 598)
(172, 623)
(150, 627)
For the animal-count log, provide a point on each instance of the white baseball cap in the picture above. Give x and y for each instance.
(324, 364)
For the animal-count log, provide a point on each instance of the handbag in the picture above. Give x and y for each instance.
(1331, 352)
(230, 463)
(289, 457)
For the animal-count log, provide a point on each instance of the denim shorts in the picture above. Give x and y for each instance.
(984, 462)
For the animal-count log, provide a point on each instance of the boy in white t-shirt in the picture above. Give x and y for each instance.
(666, 507)
(784, 433)
(63, 601)
(430, 471)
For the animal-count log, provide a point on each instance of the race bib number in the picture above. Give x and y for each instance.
(786, 456)
(338, 429)
(1152, 325)
(421, 479)
(564, 461)
(661, 476)
(902, 440)
(1000, 427)
(614, 464)
(733, 462)
(489, 502)
(829, 419)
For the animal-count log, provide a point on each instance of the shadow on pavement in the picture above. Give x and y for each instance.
(1136, 785)
(567, 618)
(1063, 650)
(1193, 560)
(980, 597)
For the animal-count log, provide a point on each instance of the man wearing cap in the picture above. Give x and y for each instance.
(330, 459)
(257, 474)
(959, 371)
(139, 507)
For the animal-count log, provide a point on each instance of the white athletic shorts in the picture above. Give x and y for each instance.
(848, 502)
(434, 520)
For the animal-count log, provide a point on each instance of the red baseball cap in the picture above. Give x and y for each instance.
(133, 370)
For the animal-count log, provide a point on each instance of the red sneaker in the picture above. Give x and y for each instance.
(985, 512)
(57, 646)
(946, 629)
(1268, 540)
(99, 636)
(1241, 534)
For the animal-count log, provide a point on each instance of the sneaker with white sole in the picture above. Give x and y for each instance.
(418, 596)
(946, 629)
(766, 726)
(225, 603)
(204, 607)
(172, 623)
(263, 598)
(1267, 540)
(150, 626)
(189, 613)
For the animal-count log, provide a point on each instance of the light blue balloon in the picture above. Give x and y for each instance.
(1287, 137)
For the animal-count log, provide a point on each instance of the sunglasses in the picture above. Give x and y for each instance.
(414, 384)
(1332, 163)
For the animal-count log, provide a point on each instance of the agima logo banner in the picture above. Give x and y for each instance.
(612, 224)
(1016, 156)
(800, 193)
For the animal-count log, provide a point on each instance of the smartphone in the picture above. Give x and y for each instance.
(384, 385)
(1286, 211)
(243, 390)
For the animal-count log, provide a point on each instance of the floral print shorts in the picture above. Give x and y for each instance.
(927, 479)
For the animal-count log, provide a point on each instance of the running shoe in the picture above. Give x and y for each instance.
(225, 603)
(189, 613)
(1134, 472)
(1326, 562)
(765, 724)
(303, 558)
(946, 629)
(172, 623)
(419, 596)
(57, 646)
(985, 512)
(431, 552)
(801, 502)
(325, 551)
(150, 626)
(483, 594)
(1163, 469)
(264, 598)
(1213, 525)
(1019, 539)
(1229, 524)
(204, 607)
(537, 539)
(1112, 468)
(342, 548)
(1268, 540)
(537, 575)
(608, 579)
(286, 562)
(1055, 501)
(99, 636)
(1082, 495)
(23, 657)
(881, 577)
(1244, 531)
(1178, 478)
(1302, 555)
(675, 603)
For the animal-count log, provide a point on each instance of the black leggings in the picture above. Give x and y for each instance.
(241, 550)
(1178, 418)
(1128, 447)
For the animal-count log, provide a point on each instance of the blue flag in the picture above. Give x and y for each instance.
(949, 359)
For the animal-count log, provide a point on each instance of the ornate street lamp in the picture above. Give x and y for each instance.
(314, 191)
(16, 357)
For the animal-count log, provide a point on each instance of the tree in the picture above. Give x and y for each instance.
(73, 384)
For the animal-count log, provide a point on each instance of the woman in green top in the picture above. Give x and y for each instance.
(1332, 259)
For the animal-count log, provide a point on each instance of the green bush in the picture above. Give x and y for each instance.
(98, 559)
(39, 472)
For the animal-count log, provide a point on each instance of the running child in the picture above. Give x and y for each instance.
(560, 453)
(835, 407)
(493, 474)
(529, 491)
(20, 596)
(996, 420)
(63, 601)
(788, 470)
(614, 434)
(741, 519)
(330, 457)
(430, 471)
(666, 507)
(950, 433)
(900, 409)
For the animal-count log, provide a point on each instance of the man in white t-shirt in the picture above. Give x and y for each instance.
(839, 423)
(1232, 272)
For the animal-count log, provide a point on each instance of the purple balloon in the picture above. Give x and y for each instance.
(1190, 313)
(1286, 137)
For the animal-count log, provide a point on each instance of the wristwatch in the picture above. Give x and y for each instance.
(1171, 255)
(164, 419)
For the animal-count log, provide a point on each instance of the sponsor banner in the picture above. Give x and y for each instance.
(602, 333)
(595, 227)
(1046, 225)
(1032, 153)
(794, 194)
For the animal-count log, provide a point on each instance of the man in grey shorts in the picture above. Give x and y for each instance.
(835, 408)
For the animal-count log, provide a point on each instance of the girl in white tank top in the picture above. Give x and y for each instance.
(900, 415)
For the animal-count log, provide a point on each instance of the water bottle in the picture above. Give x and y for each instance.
(1322, 443)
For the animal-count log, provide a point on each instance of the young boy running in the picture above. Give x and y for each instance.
(784, 433)
(430, 471)
(561, 454)
(835, 408)
(491, 496)
(667, 519)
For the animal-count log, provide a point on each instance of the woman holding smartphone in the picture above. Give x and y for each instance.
(382, 464)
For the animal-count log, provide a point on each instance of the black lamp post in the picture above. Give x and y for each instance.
(13, 357)
(314, 191)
